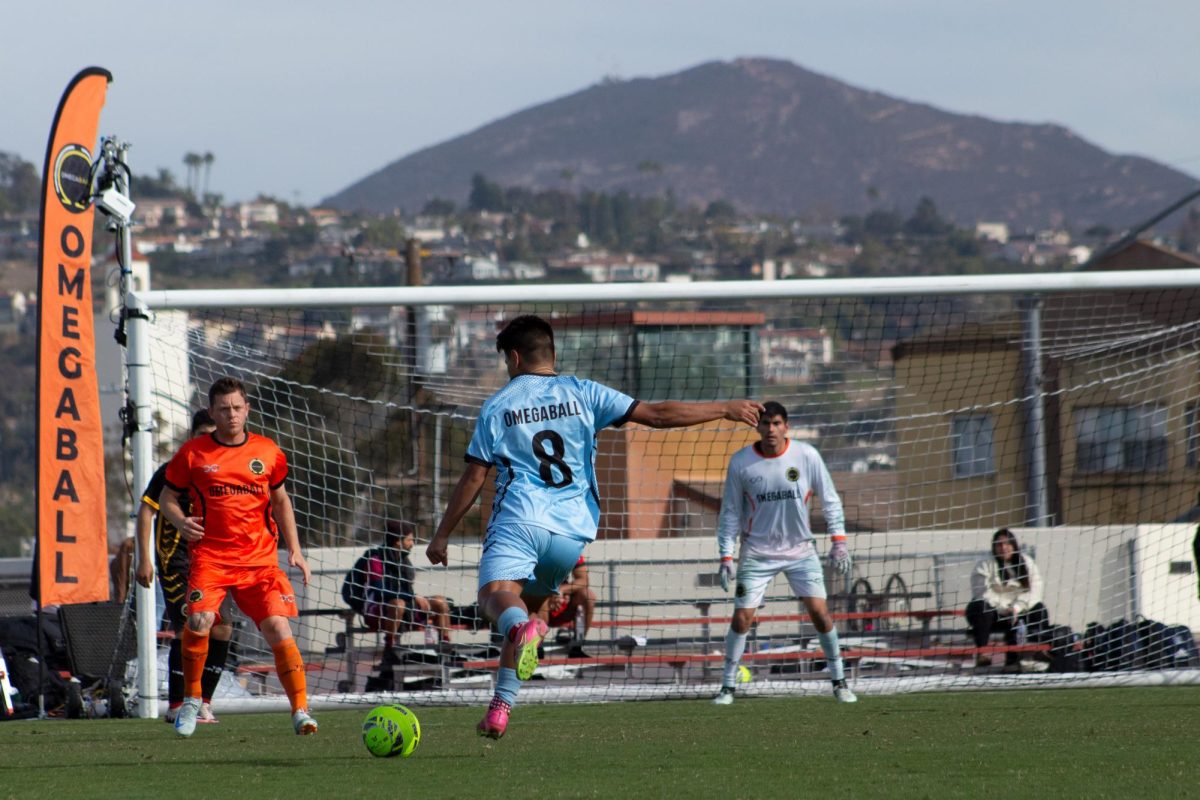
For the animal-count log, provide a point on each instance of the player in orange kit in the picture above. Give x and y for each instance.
(240, 508)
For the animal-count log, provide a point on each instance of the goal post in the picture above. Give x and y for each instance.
(1065, 407)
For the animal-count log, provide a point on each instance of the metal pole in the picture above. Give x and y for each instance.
(438, 423)
(412, 499)
(1036, 512)
(137, 365)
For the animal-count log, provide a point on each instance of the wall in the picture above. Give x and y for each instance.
(1091, 574)
(930, 385)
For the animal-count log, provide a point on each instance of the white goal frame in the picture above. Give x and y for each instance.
(139, 306)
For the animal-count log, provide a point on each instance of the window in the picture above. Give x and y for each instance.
(695, 363)
(971, 441)
(1192, 432)
(1121, 438)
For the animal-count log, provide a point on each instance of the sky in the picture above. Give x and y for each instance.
(298, 99)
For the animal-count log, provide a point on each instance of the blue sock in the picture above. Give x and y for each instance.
(507, 685)
(833, 653)
(511, 618)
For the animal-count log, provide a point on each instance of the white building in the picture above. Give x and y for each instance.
(992, 231)
(257, 213)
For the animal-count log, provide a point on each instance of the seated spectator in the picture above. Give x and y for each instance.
(1007, 593)
(562, 610)
(380, 587)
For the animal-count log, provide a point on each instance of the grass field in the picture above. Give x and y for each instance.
(1119, 743)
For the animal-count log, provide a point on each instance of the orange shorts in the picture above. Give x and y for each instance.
(260, 592)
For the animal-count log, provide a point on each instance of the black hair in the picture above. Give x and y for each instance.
(397, 530)
(224, 386)
(200, 419)
(530, 336)
(1014, 568)
(773, 409)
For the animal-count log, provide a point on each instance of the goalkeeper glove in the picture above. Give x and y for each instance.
(725, 572)
(839, 557)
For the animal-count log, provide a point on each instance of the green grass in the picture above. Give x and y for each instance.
(1118, 743)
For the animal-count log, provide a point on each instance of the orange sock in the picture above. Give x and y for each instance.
(289, 666)
(195, 653)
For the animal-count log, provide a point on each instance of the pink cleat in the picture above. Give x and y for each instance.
(495, 721)
(526, 637)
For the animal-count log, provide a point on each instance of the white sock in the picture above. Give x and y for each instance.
(735, 645)
(833, 653)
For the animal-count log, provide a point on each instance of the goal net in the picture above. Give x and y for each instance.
(1065, 408)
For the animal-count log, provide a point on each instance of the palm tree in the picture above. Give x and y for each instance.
(192, 161)
(209, 158)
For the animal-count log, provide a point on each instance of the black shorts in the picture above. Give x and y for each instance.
(468, 617)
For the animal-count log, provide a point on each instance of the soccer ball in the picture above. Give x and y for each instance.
(743, 675)
(391, 731)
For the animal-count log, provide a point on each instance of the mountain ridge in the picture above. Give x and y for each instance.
(774, 138)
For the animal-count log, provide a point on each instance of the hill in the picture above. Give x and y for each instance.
(773, 137)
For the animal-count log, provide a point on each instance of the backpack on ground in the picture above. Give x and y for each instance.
(1180, 651)
(1109, 648)
(1153, 649)
(1064, 648)
(1145, 644)
(1090, 656)
(1120, 646)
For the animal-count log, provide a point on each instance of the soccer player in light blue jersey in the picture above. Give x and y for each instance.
(769, 488)
(539, 432)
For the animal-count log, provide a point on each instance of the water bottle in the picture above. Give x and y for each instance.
(1020, 632)
(430, 639)
(580, 623)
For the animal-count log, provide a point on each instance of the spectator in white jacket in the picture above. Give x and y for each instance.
(1006, 592)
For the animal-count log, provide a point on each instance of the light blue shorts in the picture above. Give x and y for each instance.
(538, 557)
(754, 575)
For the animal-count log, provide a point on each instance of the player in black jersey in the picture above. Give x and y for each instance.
(171, 560)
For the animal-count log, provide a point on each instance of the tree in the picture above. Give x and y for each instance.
(925, 220)
(598, 221)
(485, 195)
(334, 443)
(882, 224)
(192, 161)
(20, 188)
(161, 185)
(386, 233)
(438, 207)
(208, 159)
(720, 211)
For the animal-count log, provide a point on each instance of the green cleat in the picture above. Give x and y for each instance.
(528, 637)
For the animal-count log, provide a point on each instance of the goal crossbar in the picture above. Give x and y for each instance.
(1054, 283)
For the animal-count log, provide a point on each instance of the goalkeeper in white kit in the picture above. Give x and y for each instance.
(769, 488)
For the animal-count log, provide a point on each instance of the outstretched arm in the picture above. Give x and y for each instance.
(676, 414)
(461, 499)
